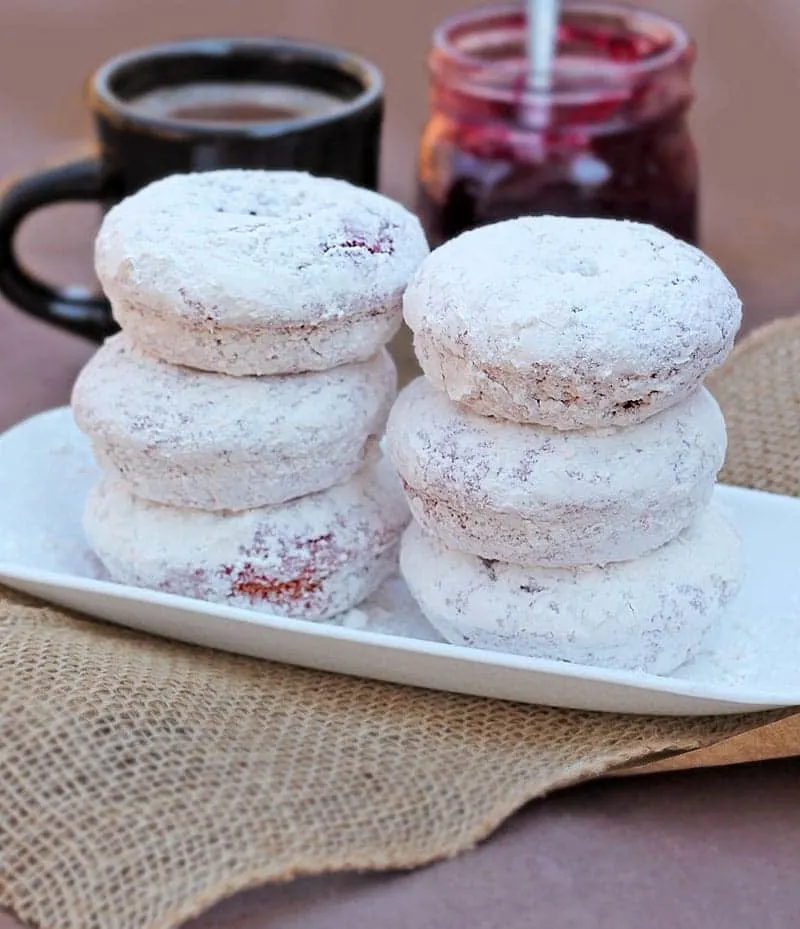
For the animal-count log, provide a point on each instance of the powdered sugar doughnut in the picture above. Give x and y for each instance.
(570, 323)
(311, 558)
(532, 495)
(645, 615)
(190, 438)
(258, 272)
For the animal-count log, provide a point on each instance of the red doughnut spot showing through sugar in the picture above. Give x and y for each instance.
(249, 582)
(252, 584)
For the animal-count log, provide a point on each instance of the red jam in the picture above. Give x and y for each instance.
(609, 139)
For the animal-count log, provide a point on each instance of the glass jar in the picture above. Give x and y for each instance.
(609, 138)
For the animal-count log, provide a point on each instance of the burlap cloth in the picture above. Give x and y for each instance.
(141, 781)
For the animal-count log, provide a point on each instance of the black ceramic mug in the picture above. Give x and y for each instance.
(196, 106)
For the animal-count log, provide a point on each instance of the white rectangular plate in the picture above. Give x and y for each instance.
(750, 662)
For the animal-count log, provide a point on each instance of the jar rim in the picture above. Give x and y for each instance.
(445, 50)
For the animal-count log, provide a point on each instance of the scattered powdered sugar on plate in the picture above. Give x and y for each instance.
(726, 656)
(391, 610)
(46, 468)
(733, 654)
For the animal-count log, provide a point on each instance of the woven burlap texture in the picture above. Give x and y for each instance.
(141, 781)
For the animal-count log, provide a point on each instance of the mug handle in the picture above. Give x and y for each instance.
(72, 308)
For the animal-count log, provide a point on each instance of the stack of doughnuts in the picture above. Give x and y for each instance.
(560, 453)
(236, 417)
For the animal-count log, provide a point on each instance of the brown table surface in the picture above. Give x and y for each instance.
(703, 849)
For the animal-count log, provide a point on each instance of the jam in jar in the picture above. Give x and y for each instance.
(609, 138)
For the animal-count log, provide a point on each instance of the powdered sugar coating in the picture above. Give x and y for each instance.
(260, 350)
(258, 272)
(644, 615)
(311, 558)
(570, 323)
(195, 439)
(532, 495)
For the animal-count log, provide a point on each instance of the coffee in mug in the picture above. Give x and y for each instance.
(236, 103)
